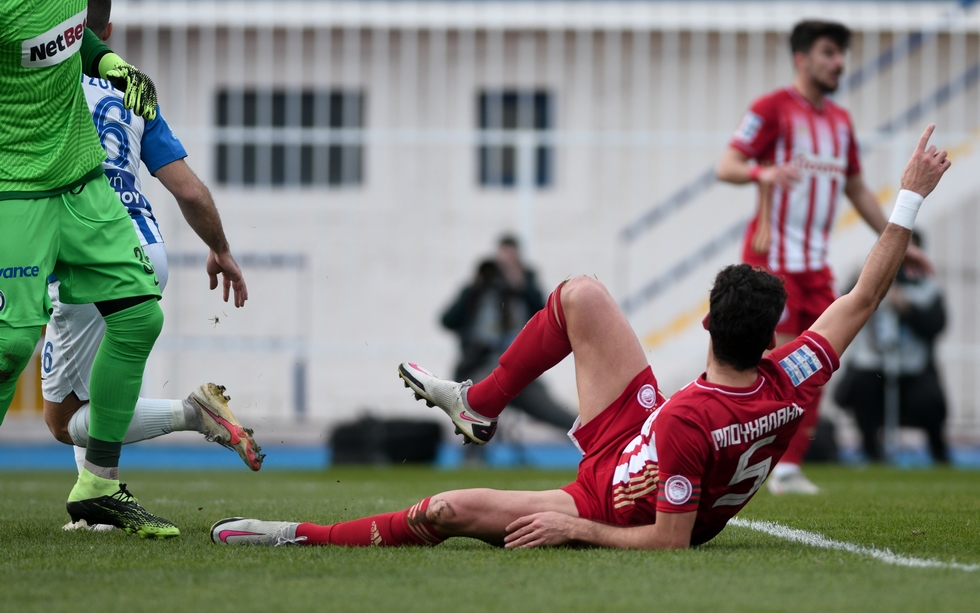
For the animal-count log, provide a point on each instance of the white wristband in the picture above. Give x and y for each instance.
(906, 207)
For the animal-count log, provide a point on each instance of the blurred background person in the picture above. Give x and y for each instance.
(907, 322)
(488, 314)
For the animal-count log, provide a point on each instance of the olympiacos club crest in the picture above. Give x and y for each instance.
(677, 490)
(647, 396)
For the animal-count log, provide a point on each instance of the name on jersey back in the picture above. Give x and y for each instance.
(736, 434)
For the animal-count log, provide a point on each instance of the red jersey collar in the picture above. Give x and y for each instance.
(802, 100)
(729, 390)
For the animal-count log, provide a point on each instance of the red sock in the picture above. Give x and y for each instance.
(540, 345)
(408, 527)
(801, 440)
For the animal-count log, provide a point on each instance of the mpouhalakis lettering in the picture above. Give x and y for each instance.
(736, 434)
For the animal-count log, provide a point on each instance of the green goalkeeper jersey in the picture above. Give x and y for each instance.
(48, 143)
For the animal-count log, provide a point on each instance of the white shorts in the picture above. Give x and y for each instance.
(74, 334)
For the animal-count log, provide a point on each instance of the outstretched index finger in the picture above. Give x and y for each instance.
(924, 139)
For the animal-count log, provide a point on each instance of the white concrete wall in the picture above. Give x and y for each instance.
(647, 95)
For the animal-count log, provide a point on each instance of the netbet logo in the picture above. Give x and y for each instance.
(56, 45)
(13, 272)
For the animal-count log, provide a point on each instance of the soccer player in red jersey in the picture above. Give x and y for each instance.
(656, 473)
(805, 155)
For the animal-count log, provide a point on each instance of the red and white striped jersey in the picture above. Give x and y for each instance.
(709, 447)
(783, 127)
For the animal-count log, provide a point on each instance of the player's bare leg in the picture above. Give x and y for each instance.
(608, 355)
(58, 414)
(477, 513)
(580, 317)
(485, 513)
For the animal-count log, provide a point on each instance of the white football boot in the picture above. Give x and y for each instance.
(794, 482)
(448, 396)
(242, 531)
(221, 426)
(84, 525)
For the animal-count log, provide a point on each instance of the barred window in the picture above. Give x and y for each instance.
(514, 139)
(290, 137)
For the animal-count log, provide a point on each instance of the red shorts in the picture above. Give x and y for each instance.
(808, 294)
(602, 441)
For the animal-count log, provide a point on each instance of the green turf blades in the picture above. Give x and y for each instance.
(928, 514)
(123, 511)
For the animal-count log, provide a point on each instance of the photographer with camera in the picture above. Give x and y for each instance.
(487, 316)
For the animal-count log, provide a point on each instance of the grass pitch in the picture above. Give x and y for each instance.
(927, 515)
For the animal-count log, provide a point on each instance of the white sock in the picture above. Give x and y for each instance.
(785, 468)
(189, 418)
(79, 457)
(152, 418)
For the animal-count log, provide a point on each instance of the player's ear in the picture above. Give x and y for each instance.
(704, 322)
(772, 343)
(799, 60)
(108, 32)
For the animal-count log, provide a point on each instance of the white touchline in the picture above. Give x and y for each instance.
(818, 540)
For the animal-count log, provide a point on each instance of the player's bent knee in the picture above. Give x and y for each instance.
(442, 512)
(151, 319)
(155, 323)
(60, 433)
(456, 511)
(56, 417)
(16, 350)
(583, 291)
(137, 326)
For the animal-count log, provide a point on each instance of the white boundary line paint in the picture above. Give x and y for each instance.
(818, 540)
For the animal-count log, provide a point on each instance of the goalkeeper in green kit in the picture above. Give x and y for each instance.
(58, 214)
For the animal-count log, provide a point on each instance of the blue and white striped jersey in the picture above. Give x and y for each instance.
(127, 139)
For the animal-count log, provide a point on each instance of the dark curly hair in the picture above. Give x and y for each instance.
(806, 33)
(746, 304)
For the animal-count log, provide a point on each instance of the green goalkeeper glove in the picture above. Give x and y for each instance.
(140, 92)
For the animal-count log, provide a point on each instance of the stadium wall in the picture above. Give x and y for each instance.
(347, 280)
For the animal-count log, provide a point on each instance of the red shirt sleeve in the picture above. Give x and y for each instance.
(806, 363)
(682, 453)
(759, 129)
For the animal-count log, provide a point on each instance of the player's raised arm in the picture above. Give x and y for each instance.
(195, 202)
(841, 322)
(867, 206)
